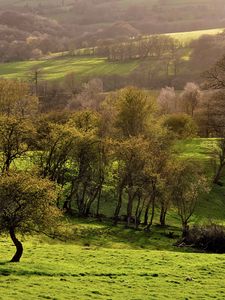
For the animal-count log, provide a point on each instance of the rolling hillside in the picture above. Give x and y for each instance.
(152, 16)
(56, 69)
(56, 66)
(31, 29)
(189, 36)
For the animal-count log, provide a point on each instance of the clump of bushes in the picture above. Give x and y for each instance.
(181, 125)
(210, 238)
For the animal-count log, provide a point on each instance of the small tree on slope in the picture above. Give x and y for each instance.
(27, 204)
(187, 185)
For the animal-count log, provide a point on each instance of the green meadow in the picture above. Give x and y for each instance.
(56, 66)
(187, 37)
(199, 149)
(64, 271)
(56, 69)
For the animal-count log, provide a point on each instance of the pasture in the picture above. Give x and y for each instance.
(55, 66)
(67, 271)
(56, 69)
(187, 37)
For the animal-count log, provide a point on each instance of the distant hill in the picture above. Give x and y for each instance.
(118, 30)
(56, 66)
(29, 29)
(29, 22)
(146, 16)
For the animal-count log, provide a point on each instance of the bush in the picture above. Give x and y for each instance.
(210, 238)
(182, 125)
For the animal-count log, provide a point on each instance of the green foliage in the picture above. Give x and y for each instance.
(27, 203)
(14, 139)
(16, 99)
(86, 121)
(182, 125)
(17, 108)
(134, 108)
(55, 142)
(188, 184)
(200, 150)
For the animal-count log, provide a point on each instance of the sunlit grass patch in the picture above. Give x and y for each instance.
(60, 271)
(56, 69)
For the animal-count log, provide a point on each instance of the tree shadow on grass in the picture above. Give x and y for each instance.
(103, 235)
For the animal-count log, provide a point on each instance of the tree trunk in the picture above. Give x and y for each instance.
(18, 244)
(185, 229)
(129, 208)
(6, 165)
(81, 204)
(151, 201)
(137, 213)
(95, 195)
(119, 205)
(163, 216)
(147, 212)
(152, 214)
(218, 174)
(98, 203)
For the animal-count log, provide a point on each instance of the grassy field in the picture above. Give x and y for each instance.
(187, 37)
(104, 262)
(199, 149)
(64, 271)
(56, 66)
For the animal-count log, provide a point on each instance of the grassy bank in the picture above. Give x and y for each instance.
(57, 271)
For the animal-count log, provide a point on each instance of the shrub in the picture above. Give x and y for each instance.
(210, 238)
(182, 125)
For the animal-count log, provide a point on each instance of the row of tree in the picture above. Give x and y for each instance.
(153, 47)
(122, 153)
(111, 158)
